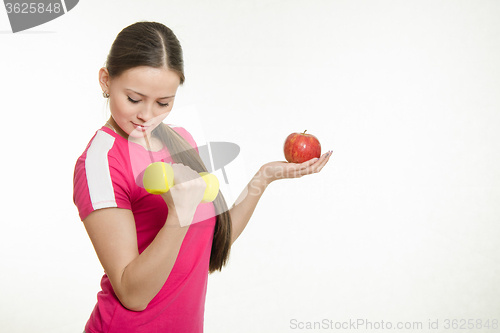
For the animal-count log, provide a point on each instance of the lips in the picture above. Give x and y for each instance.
(140, 127)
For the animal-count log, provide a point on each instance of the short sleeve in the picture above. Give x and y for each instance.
(100, 180)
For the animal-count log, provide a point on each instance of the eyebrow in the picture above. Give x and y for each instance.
(138, 93)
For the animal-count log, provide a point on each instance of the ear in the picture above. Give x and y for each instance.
(104, 79)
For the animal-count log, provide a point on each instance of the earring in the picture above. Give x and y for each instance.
(105, 95)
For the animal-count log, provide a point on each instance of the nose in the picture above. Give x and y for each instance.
(146, 113)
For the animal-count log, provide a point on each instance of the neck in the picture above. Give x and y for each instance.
(114, 126)
(145, 141)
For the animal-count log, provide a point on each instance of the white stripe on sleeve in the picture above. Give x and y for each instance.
(99, 181)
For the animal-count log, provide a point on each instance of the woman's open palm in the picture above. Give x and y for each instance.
(282, 169)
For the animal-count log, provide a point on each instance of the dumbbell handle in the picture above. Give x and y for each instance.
(159, 178)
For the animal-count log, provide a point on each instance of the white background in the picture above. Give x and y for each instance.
(402, 225)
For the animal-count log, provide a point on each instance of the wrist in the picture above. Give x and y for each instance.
(173, 221)
(265, 175)
(179, 218)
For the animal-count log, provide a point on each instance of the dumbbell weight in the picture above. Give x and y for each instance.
(159, 178)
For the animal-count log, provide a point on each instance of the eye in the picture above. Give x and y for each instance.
(135, 102)
(131, 100)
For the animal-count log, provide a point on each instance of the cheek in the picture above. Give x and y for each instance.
(120, 109)
(158, 118)
(161, 114)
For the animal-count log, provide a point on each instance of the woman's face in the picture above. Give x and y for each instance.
(140, 98)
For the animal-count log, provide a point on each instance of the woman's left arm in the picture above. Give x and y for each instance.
(243, 208)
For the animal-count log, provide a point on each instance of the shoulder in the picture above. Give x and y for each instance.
(181, 131)
(101, 176)
(103, 145)
(104, 153)
(185, 134)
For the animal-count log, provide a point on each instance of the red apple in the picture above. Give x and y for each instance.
(301, 147)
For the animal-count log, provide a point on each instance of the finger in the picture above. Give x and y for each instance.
(318, 161)
(323, 162)
(312, 161)
(324, 159)
(316, 166)
(306, 164)
(183, 173)
(306, 167)
(310, 166)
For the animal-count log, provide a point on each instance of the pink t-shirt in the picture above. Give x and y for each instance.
(108, 174)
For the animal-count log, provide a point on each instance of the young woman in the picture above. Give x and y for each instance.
(156, 250)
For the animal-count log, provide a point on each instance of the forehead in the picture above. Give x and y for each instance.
(150, 81)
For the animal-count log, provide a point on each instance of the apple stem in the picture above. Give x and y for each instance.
(304, 132)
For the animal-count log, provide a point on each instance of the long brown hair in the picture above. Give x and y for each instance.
(155, 45)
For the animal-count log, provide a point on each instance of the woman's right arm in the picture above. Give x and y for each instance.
(137, 278)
